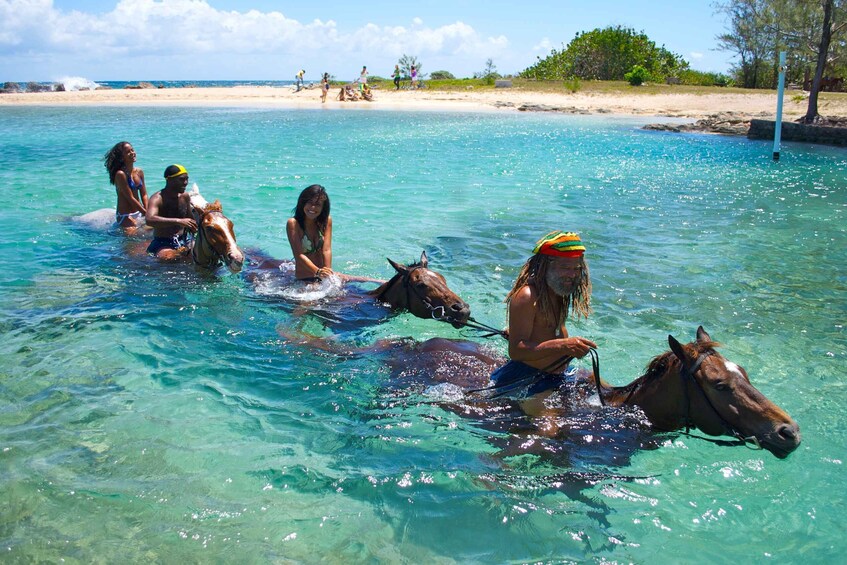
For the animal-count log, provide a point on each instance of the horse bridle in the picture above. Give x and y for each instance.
(405, 280)
(686, 374)
(216, 258)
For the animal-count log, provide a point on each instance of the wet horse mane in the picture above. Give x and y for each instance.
(213, 207)
(668, 360)
(397, 276)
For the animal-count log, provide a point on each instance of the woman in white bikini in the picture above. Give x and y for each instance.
(129, 185)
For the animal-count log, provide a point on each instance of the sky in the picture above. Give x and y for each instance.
(133, 40)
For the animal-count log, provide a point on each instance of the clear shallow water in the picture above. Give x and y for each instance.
(150, 413)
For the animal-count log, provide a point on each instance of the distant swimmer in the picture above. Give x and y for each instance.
(129, 185)
(169, 214)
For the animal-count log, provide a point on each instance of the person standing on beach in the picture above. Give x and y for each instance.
(396, 74)
(363, 78)
(129, 185)
(298, 80)
(324, 87)
(169, 213)
(414, 73)
(554, 280)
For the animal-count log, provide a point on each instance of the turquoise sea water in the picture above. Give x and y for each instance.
(151, 414)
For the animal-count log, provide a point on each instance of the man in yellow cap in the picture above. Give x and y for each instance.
(552, 282)
(169, 214)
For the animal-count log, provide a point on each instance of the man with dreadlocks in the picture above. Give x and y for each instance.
(554, 280)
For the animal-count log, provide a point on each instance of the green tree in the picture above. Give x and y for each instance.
(406, 63)
(441, 75)
(607, 54)
(810, 31)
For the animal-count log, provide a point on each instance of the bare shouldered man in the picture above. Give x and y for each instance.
(552, 282)
(169, 214)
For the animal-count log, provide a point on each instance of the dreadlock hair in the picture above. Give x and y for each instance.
(113, 160)
(534, 273)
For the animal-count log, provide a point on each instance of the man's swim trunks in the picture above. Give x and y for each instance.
(519, 380)
(173, 242)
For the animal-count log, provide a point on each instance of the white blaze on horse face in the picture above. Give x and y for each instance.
(733, 368)
(222, 227)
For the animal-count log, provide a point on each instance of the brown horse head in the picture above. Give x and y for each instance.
(423, 292)
(215, 242)
(694, 386)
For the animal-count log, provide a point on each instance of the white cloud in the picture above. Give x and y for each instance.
(544, 46)
(695, 55)
(183, 30)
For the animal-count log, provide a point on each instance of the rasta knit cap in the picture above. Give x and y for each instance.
(560, 244)
(174, 171)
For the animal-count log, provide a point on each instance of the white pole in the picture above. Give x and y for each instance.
(777, 130)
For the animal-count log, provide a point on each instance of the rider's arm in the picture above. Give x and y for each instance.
(143, 190)
(155, 220)
(326, 250)
(522, 320)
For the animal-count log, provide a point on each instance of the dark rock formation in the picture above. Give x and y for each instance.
(825, 135)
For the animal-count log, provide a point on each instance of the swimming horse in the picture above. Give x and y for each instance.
(414, 287)
(690, 386)
(693, 386)
(423, 292)
(214, 243)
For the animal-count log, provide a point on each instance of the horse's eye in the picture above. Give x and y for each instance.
(721, 386)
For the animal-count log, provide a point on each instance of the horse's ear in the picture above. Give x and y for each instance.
(702, 336)
(424, 260)
(677, 349)
(397, 267)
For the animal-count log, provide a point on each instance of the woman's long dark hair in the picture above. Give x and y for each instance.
(114, 161)
(309, 193)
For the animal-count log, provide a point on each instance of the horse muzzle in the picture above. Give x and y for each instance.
(458, 314)
(782, 441)
(234, 261)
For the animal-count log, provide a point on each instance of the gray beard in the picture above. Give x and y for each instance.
(557, 285)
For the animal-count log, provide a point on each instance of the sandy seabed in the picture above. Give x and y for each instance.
(679, 105)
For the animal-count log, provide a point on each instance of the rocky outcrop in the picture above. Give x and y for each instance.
(36, 87)
(724, 123)
(547, 108)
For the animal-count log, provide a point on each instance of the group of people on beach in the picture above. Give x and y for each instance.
(552, 284)
(349, 92)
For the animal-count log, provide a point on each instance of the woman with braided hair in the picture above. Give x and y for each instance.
(554, 281)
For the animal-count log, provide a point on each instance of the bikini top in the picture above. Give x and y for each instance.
(133, 186)
(308, 247)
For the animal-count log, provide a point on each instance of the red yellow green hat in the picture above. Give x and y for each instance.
(560, 244)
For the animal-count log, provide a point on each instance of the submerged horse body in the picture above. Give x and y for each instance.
(690, 386)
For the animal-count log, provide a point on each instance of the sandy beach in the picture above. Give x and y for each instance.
(670, 104)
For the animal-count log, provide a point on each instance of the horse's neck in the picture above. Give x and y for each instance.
(204, 255)
(392, 292)
(659, 397)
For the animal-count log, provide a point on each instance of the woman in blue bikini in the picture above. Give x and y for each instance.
(310, 235)
(129, 185)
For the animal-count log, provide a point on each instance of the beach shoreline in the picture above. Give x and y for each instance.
(692, 106)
